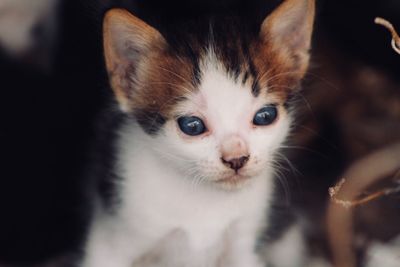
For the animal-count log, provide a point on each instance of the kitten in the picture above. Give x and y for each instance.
(200, 117)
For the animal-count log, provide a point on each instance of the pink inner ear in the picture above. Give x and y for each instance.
(291, 24)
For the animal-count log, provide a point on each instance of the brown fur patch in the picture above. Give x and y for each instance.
(121, 22)
(165, 81)
(285, 43)
(146, 78)
(277, 71)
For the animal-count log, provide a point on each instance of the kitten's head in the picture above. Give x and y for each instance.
(213, 99)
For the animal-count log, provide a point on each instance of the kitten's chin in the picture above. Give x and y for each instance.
(233, 182)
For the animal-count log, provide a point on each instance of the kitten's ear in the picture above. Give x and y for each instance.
(128, 43)
(290, 26)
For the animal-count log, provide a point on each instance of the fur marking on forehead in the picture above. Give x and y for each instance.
(151, 72)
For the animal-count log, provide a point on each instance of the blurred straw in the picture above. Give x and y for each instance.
(362, 174)
(395, 36)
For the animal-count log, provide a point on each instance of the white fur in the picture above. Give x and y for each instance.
(169, 184)
(288, 251)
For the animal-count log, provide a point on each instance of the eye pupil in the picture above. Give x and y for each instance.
(266, 115)
(191, 125)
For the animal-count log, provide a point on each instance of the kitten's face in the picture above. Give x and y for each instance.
(221, 132)
(214, 107)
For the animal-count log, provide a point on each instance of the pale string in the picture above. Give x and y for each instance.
(395, 37)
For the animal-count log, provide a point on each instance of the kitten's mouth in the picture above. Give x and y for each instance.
(235, 179)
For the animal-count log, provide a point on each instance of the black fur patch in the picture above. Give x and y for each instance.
(150, 121)
(102, 173)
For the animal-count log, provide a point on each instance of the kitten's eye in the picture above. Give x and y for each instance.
(191, 125)
(266, 115)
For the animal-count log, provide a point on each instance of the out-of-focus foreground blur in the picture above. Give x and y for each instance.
(53, 85)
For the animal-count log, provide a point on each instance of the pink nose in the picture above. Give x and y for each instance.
(234, 152)
(236, 163)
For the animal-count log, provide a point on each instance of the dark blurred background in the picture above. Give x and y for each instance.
(53, 86)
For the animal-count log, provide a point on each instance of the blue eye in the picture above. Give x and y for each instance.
(191, 125)
(266, 115)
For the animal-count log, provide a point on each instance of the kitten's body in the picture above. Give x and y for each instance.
(156, 201)
(206, 192)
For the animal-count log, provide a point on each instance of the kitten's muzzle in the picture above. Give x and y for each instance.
(236, 163)
(234, 152)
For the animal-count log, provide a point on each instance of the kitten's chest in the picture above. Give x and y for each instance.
(158, 204)
(205, 222)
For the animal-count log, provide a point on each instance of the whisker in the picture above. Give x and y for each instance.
(282, 180)
(303, 149)
(317, 134)
(175, 74)
(273, 78)
(174, 85)
(290, 164)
